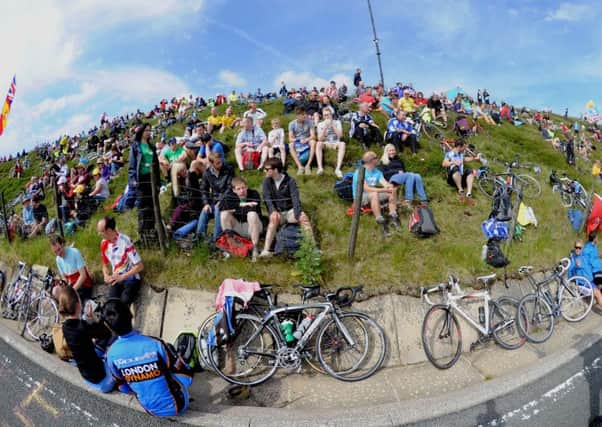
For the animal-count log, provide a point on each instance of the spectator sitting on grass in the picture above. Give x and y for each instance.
(401, 132)
(172, 163)
(250, 138)
(376, 191)
(302, 141)
(214, 121)
(101, 188)
(395, 172)
(72, 268)
(255, 114)
(241, 211)
(363, 128)
(437, 108)
(459, 176)
(40, 216)
(229, 120)
(330, 132)
(209, 145)
(27, 219)
(312, 107)
(281, 197)
(407, 103)
(276, 142)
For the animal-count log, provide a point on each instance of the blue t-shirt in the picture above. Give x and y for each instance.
(452, 156)
(216, 147)
(372, 178)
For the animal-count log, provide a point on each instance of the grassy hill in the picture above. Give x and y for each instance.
(399, 264)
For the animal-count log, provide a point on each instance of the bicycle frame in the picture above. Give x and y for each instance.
(452, 303)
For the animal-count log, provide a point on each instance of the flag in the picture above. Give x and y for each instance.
(7, 104)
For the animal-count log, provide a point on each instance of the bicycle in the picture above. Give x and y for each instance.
(12, 294)
(471, 150)
(523, 183)
(350, 346)
(574, 300)
(441, 333)
(42, 312)
(571, 191)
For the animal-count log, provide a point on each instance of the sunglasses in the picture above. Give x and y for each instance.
(267, 169)
(578, 247)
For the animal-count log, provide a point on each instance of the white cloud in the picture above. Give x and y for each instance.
(570, 12)
(294, 79)
(43, 47)
(231, 79)
(73, 125)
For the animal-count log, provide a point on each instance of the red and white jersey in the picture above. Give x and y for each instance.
(121, 254)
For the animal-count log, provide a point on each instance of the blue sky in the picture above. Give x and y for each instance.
(76, 59)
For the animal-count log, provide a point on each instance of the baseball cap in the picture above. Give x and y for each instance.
(171, 140)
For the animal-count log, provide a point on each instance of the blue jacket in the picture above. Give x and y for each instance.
(590, 253)
(134, 163)
(151, 370)
(584, 269)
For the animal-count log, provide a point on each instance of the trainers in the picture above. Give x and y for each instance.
(320, 171)
(308, 170)
(385, 228)
(300, 171)
(394, 222)
(338, 173)
(265, 254)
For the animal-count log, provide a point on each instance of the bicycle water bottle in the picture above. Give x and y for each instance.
(287, 327)
(484, 252)
(303, 326)
(482, 315)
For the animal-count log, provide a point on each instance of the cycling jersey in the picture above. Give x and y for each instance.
(154, 372)
(121, 254)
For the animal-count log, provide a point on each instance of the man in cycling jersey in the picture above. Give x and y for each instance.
(118, 251)
(146, 366)
(459, 176)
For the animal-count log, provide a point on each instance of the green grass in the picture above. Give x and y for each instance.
(400, 265)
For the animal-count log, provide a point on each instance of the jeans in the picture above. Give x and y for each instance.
(412, 182)
(185, 230)
(204, 221)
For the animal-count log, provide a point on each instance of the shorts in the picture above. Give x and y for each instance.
(382, 197)
(126, 291)
(455, 168)
(242, 228)
(288, 217)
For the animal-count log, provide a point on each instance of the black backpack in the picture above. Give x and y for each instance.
(344, 187)
(288, 240)
(502, 203)
(422, 222)
(495, 257)
(185, 346)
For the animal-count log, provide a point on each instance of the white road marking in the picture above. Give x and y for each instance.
(533, 408)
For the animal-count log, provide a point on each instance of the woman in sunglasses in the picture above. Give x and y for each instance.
(586, 262)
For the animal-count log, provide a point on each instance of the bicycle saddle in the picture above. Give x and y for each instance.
(309, 291)
(488, 279)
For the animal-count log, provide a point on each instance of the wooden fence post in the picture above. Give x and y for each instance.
(157, 208)
(357, 208)
(57, 202)
(5, 219)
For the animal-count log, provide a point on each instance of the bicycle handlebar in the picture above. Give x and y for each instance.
(441, 287)
(563, 265)
(344, 296)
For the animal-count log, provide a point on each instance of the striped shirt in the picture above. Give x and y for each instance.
(121, 254)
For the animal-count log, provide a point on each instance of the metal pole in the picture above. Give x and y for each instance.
(4, 218)
(380, 65)
(58, 201)
(357, 206)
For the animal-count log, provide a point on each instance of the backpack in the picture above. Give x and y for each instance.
(343, 187)
(422, 222)
(250, 159)
(185, 345)
(494, 255)
(502, 204)
(233, 243)
(288, 240)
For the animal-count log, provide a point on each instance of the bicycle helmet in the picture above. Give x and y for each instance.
(47, 343)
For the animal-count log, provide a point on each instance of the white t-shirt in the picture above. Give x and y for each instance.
(276, 138)
(331, 131)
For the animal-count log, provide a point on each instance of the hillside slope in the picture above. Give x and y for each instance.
(399, 264)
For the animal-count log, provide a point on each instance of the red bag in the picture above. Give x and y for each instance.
(250, 159)
(233, 243)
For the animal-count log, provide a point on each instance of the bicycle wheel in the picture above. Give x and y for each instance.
(7, 301)
(201, 342)
(503, 323)
(354, 361)
(530, 186)
(576, 298)
(441, 337)
(566, 199)
(43, 313)
(487, 185)
(538, 313)
(250, 357)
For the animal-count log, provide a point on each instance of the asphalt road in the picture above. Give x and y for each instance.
(570, 396)
(32, 396)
